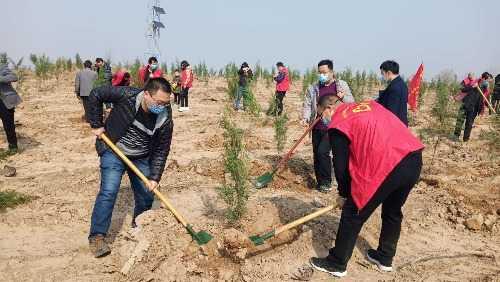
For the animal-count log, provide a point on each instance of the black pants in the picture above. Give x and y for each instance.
(7, 116)
(184, 97)
(321, 157)
(392, 194)
(85, 103)
(467, 115)
(279, 101)
(177, 98)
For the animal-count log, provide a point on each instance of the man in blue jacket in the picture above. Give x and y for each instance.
(395, 96)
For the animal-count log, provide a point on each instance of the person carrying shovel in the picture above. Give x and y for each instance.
(327, 85)
(141, 126)
(377, 162)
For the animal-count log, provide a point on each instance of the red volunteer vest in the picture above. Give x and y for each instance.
(284, 85)
(379, 141)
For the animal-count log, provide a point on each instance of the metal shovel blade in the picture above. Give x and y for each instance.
(263, 180)
(200, 237)
(259, 239)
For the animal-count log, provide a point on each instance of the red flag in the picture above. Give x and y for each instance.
(415, 88)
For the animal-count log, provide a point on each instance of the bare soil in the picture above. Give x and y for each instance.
(46, 240)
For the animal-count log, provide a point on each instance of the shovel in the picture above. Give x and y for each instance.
(263, 180)
(201, 237)
(259, 239)
(484, 97)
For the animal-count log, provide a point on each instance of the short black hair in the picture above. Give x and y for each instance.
(87, 64)
(326, 62)
(99, 60)
(280, 64)
(152, 59)
(155, 84)
(244, 65)
(486, 75)
(184, 64)
(391, 66)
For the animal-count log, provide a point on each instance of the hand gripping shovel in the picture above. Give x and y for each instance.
(201, 237)
(263, 180)
(259, 239)
(484, 97)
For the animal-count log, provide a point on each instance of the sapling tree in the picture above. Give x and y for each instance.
(442, 114)
(43, 66)
(20, 72)
(78, 61)
(280, 130)
(234, 192)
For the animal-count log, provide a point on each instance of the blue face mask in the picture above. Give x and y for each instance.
(156, 109)
(326, 120)
(323, 78)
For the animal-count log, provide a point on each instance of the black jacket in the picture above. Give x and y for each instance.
(395, 99)
(496, 88)
(473, 100)
(126, 101)
(244, 78)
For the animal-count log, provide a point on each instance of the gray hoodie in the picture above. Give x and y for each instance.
(8, 94)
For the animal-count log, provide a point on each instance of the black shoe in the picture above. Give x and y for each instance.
(323, 264)
(374, 257)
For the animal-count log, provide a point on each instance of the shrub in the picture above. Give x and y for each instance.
(11, 199)
(280, 129)
(43, 66)
(234, 192)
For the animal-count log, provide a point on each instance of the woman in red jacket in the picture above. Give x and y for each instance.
(377, 162)
(282, 79)
(186, 83)
(151, 70)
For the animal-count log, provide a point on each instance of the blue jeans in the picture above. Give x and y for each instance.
(239, 95)
(112, 170)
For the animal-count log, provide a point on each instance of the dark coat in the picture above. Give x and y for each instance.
(8, 94)
(126, 101)
(395, 99)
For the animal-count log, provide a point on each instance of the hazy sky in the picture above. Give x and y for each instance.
(445, 34)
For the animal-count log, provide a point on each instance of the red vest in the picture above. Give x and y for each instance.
(144, 71)
(284, 85)
(378, 142)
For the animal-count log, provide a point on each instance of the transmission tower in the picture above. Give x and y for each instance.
(154, 25)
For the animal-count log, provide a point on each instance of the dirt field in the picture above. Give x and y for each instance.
(46, 240)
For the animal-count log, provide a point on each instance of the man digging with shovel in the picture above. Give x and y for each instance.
(377, 162)
(141, 127)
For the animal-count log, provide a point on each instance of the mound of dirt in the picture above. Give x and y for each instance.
(160, 247)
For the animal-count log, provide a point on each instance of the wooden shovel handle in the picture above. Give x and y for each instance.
(144, 179)
(484, 97)
(303, 219)
(286, 157)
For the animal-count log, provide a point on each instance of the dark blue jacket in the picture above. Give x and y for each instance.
(395, 99)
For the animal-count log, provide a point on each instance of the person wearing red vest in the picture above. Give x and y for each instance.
(282, 79)
(377, 162)
(151, 70)
(186, 84)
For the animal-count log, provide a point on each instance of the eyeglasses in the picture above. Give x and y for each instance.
(159, 102)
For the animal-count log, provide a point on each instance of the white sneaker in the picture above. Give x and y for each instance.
(186, 109)
(372, 257)
(181, 109)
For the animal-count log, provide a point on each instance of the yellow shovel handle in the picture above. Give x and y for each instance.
(303, 219)
(485, 99)
(144, 179)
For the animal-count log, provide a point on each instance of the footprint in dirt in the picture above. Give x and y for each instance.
(303, 273)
